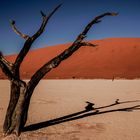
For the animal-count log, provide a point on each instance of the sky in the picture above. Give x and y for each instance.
(67, 22)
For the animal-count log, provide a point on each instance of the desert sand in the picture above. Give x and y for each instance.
(56, 98)
(112, 58)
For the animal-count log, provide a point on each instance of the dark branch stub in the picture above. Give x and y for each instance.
(43, 15)
(88, 44)
(5, 62)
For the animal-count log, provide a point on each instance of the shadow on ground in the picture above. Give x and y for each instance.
(88, 111)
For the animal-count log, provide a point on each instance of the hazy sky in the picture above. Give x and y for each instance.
(67, 22)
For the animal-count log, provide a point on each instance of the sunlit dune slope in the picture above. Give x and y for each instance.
(112, 58)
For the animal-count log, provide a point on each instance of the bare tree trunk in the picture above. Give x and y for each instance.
(16, 118)
(15, 92)
(21, 92)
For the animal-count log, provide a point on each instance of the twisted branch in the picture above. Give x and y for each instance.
(10, 69)
(44, 22)
(66, 53)
(30, 40)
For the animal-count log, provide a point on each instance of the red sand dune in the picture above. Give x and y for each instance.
(112, 58)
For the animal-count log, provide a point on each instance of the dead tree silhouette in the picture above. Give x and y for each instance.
(21, 91)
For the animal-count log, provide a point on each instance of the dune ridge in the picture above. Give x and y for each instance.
(112, 58)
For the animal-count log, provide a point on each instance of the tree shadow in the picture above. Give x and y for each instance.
(82, 114)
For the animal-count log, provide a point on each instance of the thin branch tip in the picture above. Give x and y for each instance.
(114, 13)
(60, 5)
(57, 7)
(42, 13)
(1, 53)
(98, 21)
(12, 22)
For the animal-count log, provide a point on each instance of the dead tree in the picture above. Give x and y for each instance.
(21, 91)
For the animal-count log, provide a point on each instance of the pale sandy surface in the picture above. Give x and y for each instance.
(56, 98)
